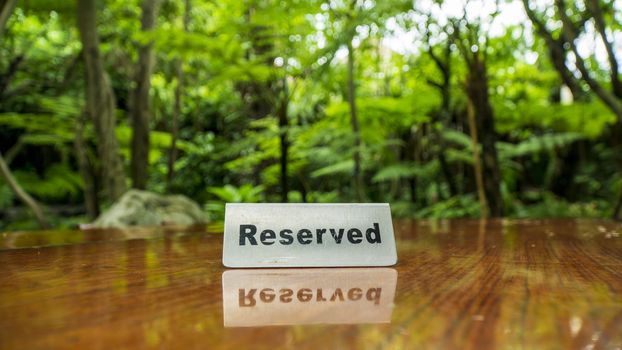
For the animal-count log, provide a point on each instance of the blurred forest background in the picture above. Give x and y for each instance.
(445, 109)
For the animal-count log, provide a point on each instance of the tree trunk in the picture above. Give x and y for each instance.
(6, 10)
(283, 126)
(172, 153)
(407, 154)
(444, 114)
(90, 191)
(7, 76)
(477, 165)
(14, 151)
(177, 106)
(617, 210)
(21, 194)
(140, 101)
(444, 117)
(477, 91)
(356, 157)
(100, 102)
(563, 184)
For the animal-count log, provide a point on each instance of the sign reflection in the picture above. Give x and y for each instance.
(271, 297)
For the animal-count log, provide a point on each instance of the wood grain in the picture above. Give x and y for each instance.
(461, 284)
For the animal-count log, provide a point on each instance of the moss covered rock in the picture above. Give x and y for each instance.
(143, 208)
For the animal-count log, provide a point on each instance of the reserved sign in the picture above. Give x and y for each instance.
(269, 297)
(308, 235)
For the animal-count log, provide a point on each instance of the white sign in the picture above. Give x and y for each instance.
(308, 235)
(271, 297)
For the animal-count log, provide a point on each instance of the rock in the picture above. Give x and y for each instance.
(143, 208)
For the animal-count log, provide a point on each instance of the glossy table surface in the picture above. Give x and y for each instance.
(461, 284)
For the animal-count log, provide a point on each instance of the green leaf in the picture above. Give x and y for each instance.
(457, 137)
(343, 167)
(395, 172)
(537, 144)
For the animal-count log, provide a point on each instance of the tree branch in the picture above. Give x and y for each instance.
(557, 52)
(5, 13)
(21, 194)
(540, 26)
(5, 78)
(435, 84)
(439, 63)
(13, 151)
(599, 20)
(569, 30)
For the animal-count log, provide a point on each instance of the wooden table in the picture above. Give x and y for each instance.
(554, 284)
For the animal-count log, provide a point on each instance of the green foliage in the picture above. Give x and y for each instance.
(405, 171)
(382, 115)
(52, 128)
(455, 207)
(344, 167)
(395, 172)
(6, 195)
(58, 183)
(243, 194)
(550, 206)
(537, 144)
(242, 61)
(457, 138)
(231, 194)
(588, 119)
(160, 143)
